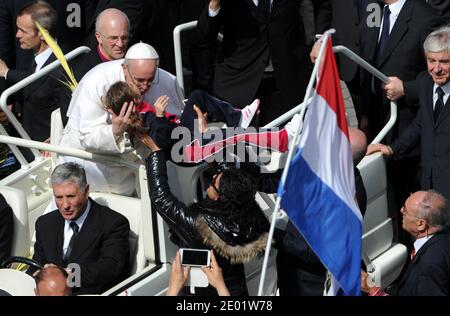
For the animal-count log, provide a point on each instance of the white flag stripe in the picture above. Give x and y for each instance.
(316, 147)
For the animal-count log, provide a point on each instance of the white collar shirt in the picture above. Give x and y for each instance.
(395, 9)
(41, 58)
(445, 88)
(68, 232)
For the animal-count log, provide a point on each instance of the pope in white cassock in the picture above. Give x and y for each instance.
(90, 127)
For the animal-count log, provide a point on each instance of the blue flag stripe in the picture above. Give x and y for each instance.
(326, 221)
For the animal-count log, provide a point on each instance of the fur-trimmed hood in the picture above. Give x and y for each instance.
(235, 254)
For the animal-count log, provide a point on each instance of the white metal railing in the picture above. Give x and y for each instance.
(374, 71)
(177, 48)
(286, 116)
(20, 85)
(66, 151)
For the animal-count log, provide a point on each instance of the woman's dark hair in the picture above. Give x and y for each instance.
(119, 93)
(236, 200)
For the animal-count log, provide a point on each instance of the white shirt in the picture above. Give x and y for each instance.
(420, 242)
(68, 232)
(445, 88)
(41, 58)
(395, 9)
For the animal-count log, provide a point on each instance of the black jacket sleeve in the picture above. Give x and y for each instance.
(6, 229)
(174, 212)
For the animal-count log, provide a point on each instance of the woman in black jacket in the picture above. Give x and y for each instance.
(228, 220)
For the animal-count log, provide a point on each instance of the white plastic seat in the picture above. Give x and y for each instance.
(387, 258)
(16, 283)
(18, 202)
(130, 208)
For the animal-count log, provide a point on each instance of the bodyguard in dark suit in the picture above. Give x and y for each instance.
(39, 97)
(83, 232)
(70, 33)
(431, 125)
(40, 100)
(6, 229)
(255, 33)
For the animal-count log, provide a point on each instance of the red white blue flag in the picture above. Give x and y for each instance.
(318, 194)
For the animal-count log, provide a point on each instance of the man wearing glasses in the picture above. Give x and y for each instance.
(425, 216)
(90, 127)
(112, 31)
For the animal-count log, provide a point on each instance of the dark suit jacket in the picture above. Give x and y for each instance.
(6, 229)
(10, 52)
(341, 15)
(80, 66)
(40, 100)
(428, 274)
(249, 40)
(443, 7)
(402, 57)
(101, 248)
(69, 36)
(434, 140)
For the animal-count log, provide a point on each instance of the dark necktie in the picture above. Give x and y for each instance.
(384, 35)
(75, 229)
(413, 253)
(264, 7)
(33, 65)
(359, 4)
(439, 106)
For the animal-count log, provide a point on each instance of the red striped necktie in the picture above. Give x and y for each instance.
(413, 253)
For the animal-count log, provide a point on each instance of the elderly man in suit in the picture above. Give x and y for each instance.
(83, 232)
(264, 53)
(404, 25)
(425, 215)
(431, 125)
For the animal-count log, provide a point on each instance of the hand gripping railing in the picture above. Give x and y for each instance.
(21, 84)
(364, 64)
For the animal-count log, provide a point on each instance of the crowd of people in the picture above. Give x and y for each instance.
(126, 104)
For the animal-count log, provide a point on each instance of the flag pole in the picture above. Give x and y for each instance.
(293, 146)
